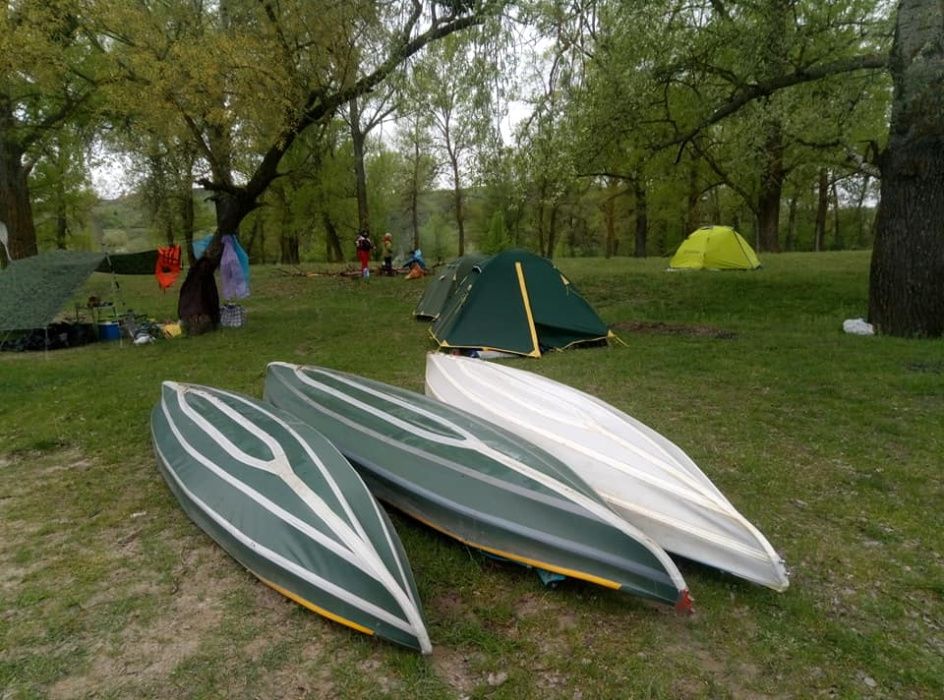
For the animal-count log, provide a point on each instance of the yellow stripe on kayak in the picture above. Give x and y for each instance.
(573, 573)
(314, 608)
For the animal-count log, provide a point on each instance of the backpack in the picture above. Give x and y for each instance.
(363, 243)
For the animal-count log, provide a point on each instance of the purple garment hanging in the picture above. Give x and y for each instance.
(234, 280)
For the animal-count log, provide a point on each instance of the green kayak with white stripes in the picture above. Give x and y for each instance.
(283, 502)
(476, 482)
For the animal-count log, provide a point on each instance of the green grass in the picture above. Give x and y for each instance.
(831, 444)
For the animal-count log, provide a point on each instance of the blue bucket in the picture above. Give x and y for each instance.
(110, 330)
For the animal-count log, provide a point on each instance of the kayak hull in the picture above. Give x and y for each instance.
(284, 503)
(645, 478)
(474, 482)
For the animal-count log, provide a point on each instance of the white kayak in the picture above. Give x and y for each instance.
(640, 474)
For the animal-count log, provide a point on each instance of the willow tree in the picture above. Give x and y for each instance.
(45, 81)
(244, 78)
(455, 77)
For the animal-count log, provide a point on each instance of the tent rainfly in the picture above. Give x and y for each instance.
(714, 248)
(441, 287)
(34, 289)
(520, 303)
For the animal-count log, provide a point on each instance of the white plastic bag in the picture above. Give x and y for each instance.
(858, 326)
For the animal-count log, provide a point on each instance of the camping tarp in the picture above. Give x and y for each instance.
(441, 287)
(34, 289)
(517, 302)
(142, 263)
(714, 248)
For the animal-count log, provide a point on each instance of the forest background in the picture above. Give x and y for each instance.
(303, 123)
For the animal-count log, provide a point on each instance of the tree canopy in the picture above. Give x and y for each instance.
(789, 119)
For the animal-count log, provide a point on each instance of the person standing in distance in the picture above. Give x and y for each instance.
(388, 254)
(364, 245)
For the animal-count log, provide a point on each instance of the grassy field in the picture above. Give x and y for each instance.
(831, 444)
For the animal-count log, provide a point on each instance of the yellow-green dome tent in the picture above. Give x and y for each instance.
(714, 248)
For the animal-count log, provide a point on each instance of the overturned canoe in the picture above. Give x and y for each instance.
(475, 482)
(283, 502)
(643, 476)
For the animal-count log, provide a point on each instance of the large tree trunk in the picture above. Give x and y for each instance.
(906, 285)
(774, 53)
(358, 139)
(16, 211)
(198, 304)
(332, 241)
(771, 189)
(642, 218)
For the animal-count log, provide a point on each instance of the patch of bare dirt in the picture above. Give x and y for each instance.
(736, 677)
(26, 546)
(455, 669)
(449, 605)
(146, 653)
(684, 329)
(529, 605)
(309, 679)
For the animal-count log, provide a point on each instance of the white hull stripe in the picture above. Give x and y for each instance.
(522, 491)
(300, 488)
(358, 550)
(471, 442)
(283, 563)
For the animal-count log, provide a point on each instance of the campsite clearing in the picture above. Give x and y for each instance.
(831, 443)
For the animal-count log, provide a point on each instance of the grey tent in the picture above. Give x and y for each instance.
(441, 287)
(33, 290)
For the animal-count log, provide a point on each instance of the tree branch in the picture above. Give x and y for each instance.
(749, 93)
(319, 105)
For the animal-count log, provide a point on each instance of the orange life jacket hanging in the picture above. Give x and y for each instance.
(168, 266)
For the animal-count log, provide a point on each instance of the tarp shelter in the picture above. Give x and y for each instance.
(714, 248)
(34, 289)
(441, 287)
(520, 303)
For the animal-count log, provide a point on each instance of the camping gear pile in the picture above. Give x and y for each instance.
(566, 485)
(34, 290)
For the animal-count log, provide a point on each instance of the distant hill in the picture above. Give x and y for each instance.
(124, 225)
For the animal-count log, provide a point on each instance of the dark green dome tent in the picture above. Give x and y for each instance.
(517, 302)
(441, 286)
